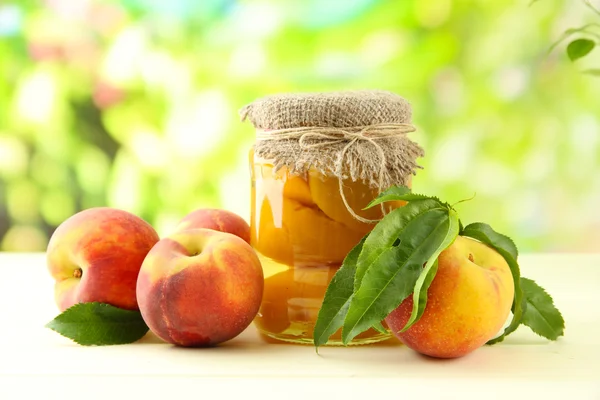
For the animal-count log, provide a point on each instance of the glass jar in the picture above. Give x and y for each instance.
(303, 223)
(302, 232)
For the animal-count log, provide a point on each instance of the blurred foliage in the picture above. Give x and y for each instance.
(133, 104)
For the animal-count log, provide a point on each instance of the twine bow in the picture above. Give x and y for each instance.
(314, 137)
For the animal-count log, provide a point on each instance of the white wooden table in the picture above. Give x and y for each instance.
(37, 361)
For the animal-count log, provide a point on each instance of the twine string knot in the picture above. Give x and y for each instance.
(315, 137)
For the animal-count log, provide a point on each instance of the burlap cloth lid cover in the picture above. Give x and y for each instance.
(356, 134)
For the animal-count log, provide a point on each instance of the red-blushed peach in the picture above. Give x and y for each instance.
(469, 301)
(216, 219)
(200, 287)
(95, 256)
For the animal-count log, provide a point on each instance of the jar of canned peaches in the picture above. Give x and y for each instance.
(318, 160)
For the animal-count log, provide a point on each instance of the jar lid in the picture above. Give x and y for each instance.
(357, 135)
(341, 109)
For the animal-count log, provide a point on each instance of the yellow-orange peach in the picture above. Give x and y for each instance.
(95, 256)
(469, 301)
(200, 287)
(216, 219)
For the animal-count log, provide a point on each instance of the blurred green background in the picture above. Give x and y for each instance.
(133, 104)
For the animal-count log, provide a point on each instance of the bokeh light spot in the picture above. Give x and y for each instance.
(24, 238)
(23, 200)
(56, 206)
(125, 190)
(13, 156)
(36, 96)
(432, 13)
(92, 169)
(198, 128)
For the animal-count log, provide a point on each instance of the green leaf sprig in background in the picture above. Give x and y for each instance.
(587, 39)
(398, 259)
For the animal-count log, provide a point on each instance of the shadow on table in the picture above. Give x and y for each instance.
(254, 339)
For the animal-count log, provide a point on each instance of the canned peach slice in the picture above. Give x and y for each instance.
(270, 239)
(317, 239)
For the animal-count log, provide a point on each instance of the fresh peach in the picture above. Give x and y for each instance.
(200, 287)
(469, 301)
(216, 219)
(95, 256)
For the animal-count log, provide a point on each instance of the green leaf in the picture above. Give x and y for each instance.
(337, 298)
(592, 71)
(387, 232)
(378, 326)
(540, 313)
(400, 193)
(507, 249)
(396, 289)
(485, 233)
(99, 324)
(396, 193)
(428, 274)
(392, 277)
(579, 48)
(572, 31)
